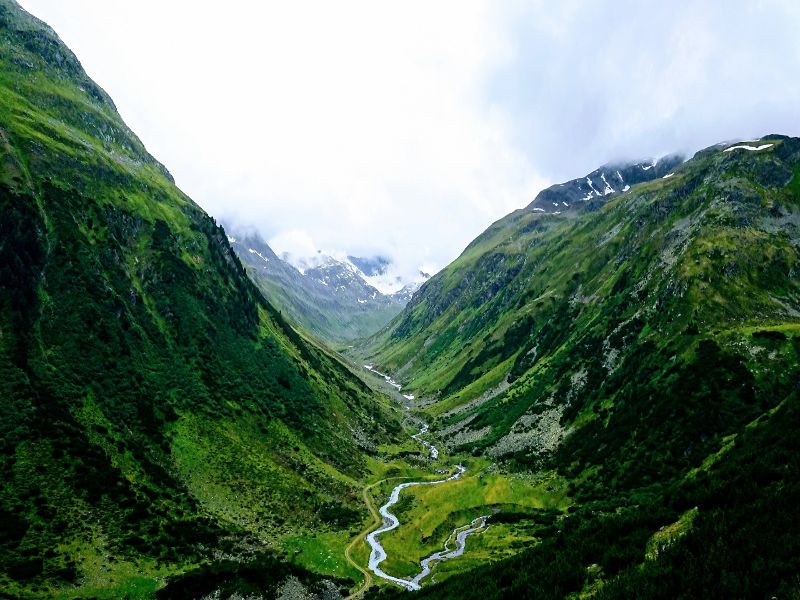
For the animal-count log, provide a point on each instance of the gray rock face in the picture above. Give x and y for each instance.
(593, 190)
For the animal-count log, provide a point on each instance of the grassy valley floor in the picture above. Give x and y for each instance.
(522, 507)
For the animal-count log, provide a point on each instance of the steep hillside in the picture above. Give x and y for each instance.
(645, 347)
(330, 301)
(728, 530)
(157, 413)
(549, 330)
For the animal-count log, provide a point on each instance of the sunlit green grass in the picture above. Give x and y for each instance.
(321, 552)
(434, 511)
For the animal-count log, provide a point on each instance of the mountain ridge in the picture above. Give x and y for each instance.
(592, 190)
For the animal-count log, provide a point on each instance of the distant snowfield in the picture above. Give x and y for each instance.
(391, 281)
(750, 148)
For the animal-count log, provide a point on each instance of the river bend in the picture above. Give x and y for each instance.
(390, 522)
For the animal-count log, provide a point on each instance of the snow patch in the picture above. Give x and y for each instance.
(668, 175)
(650, 166)
(647, 167)
(592, 190)
(258, 254)
(537, 209)
(608, 189)
(626, 188)
(750, 148)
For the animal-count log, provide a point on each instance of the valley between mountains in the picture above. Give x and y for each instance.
(597, 399)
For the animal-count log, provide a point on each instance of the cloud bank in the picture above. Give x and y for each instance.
(405, 129)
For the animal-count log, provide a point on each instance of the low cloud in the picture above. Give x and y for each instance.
(405, 129)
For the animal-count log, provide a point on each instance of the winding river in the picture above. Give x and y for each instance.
(390, 521)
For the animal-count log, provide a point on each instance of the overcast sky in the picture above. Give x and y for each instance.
(406, 128)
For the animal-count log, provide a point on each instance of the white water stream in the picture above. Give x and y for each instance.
(390, 521)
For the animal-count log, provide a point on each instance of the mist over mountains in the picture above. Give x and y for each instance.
(336, 300)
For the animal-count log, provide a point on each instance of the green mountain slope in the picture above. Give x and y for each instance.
(647, 349)
(157, 412)
(547, 324)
